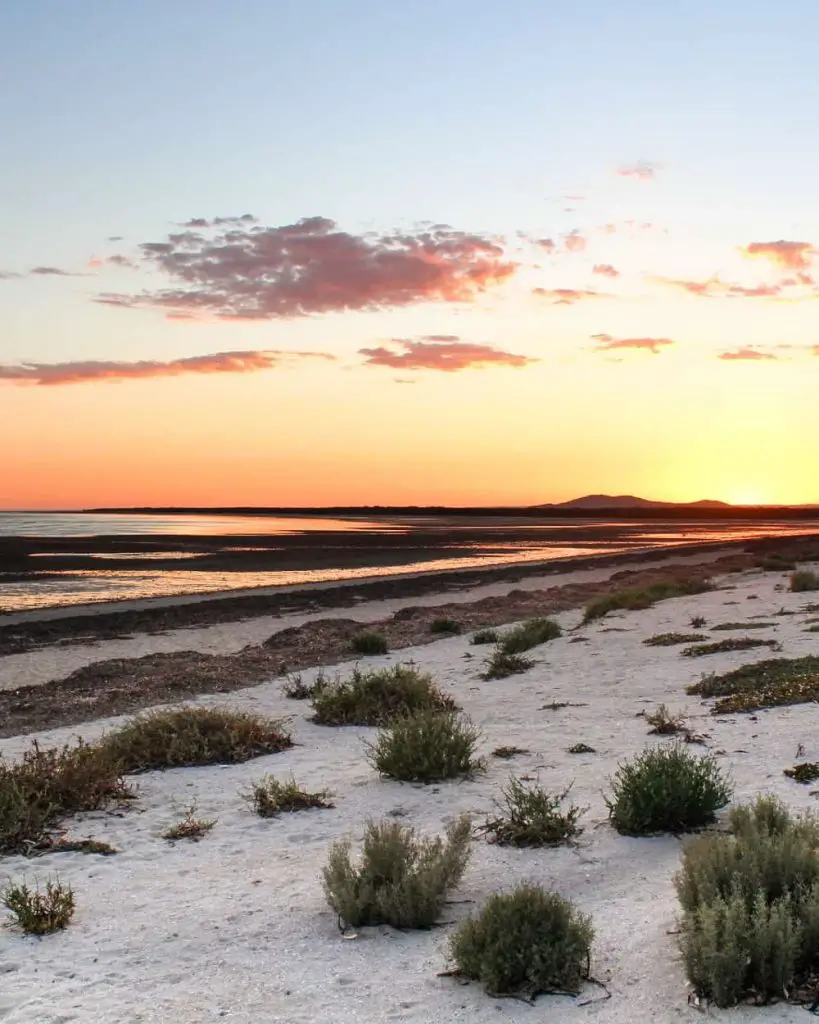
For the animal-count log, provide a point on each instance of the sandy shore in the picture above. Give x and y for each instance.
(236, 927)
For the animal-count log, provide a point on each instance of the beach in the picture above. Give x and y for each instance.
(236, 927)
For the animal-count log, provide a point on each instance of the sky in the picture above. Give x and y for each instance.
(349, 252)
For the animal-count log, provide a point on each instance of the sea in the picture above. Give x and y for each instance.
(500, 542)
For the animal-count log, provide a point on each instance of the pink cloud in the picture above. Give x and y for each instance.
(546, 243)
(51, 272)
(608, 229)
(574, 242)
(568, 296)
(714, 288)
(235, 268)
(643, 170)
(82, 372)
(444, 352)
(606, 343)
(791, 255)
(605, 270)
(746, 354)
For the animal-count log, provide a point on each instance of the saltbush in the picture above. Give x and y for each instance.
(639, 598)
(427, 746)
(36, 912)
(402, 879)
(750, 902)
(528, 635)
(667, 789)
(804, 580)
(525, 942)
(368, 642)
(268, 797)
(373, 698)
(531, 816)
(446, 626)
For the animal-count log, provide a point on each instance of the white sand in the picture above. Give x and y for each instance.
(235, 927)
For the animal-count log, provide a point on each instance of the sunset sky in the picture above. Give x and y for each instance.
(320, 252)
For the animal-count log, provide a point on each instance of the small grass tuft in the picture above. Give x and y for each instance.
(743, 625)
(663, 723)
(524, 943)
(428, 746)
(805, 773)
(531, 816)
(295, 688)
(268, 797)
(402, 879)
(190, 827)
(192, 736)
(581, 748)
(640, 598)
(486, 636)
(803, 580)
(97, 846)
(505, 753)
(735, 643)
(666, 789)
(698, 621)
(373, 698)
(368, 643)
(500, 665)
(40, 913)
(672, 639)
(528, 635)
(446, 626)
(762, 684)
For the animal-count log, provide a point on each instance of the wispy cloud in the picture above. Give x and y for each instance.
(791, 255)
(547, 244)
(606, 343)
(568, 296)
(746, 355)
(605, 270)
(86, 371)
(51, 272)
(713, 287)
(643, 170)
(236, 268)
(443, 352)
(574, 241)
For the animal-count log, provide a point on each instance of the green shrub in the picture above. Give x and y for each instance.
(738, 643)
(530, 816)
(666, 789)
(750, 902)
(47, 785)
(505, 753)
(193, 736)
(269, 797)
(639, 598)
(369, 642)
(373, 698)
(762, 684)
(671, 639)
(525, 942)
(296, 689)
(500, 665)
(742, 625)
(449, 626)
(40, 913)
(805, 773)
(663, 723)
(528, 635)
(804, 580)
(190, 827)
(402, 879)
(486, 636)
(427, 746)
(698, 621)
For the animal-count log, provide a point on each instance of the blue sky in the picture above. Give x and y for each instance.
(126, 119)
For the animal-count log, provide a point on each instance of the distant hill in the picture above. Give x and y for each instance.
(626, 501)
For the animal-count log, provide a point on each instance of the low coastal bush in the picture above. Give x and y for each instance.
(47, 785)
(373, 698)
(737, 643)
(525, 942)
(742, 625)
(750, 903)
(639, 598)
(447, 626)
(485, 636)
(192, 736)
(368, 642)
(698, 621)
(190, 827)
(528, 635)
(40, 912)
(296, 689)
(664, 723)
(531, 816)
(268, 797)
(501, 665)
(804, 580)
(666, 789)
(672, 639)
(762, 684)
(427, 746)
(402, 879)
(505, 753)
(774, 563)
(805, 773)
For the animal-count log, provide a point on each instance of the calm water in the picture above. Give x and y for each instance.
(542, 543)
